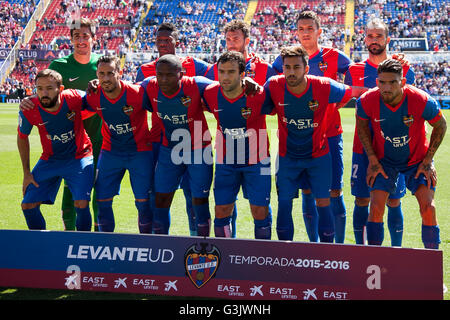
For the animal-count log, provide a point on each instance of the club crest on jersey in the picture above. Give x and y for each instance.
(201, 262)
(408, 120)
(246, 112)
(71, 115)
(128, 110)
(323, 66)
(250, 73)
(313, 105)
(186, 101)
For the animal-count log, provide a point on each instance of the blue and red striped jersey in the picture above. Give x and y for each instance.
(191, 67)
(364, 74)
(182, 110)
(125, 125)
(399, 132)
(326, 62)
(255, 68)
(241, 137)
(303, 119)
(61, 132)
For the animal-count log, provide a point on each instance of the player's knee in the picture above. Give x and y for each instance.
(82, 204)
(306, 191)
(428, 213)
(362, 202)
(29, 206)
(200, 201)
(224, 211)
(322, 202)
(163, 200)
(393, 203)
(335, 193)
(259, 212)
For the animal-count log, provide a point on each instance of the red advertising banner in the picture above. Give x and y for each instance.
(216, 267)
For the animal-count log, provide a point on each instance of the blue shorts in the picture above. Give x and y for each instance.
(78, 174)
(255, 181)
(336, 145)
(111, 168)
(291, 171)
(390, 184)
(359, 187)
(196, 167)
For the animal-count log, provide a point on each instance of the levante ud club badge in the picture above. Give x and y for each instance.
(246, 112)
(408, 120)
(201, 262)
(128, 110)
(313, 105)
(186, 101)
(71, 115)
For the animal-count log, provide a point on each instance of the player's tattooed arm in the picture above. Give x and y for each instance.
(374, 168)
(427, 167)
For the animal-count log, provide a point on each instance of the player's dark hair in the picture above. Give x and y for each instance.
(233, 56)
(167, 26)
(235, 25)
(171, 60)
(295, 51)
(80, 23)
(108, 59)
(55, 75)
(391, 66)
(308, 14)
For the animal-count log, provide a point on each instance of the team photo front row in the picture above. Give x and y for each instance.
(176, 151)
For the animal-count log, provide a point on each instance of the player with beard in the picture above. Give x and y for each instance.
(126, 144)
(303, 103)
(77, 69)
(237, 37)
(242, 154)
(66, 151)
(327, 62)
(364, 74)
(397, 144)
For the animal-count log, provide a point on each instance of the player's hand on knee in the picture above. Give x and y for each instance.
(26, 103)
(27, 179)
(373, 170)
(429, 171)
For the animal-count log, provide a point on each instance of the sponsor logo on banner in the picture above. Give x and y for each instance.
(146, 284)
(231, 290)
(283, 293)
(201, 264)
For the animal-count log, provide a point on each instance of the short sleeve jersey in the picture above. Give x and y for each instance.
(241, 137)
(182, 110)
(124, 125)
(399, 132)
(303, 118)
(61, 132)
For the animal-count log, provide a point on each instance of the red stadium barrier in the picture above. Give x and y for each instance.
(217, 267)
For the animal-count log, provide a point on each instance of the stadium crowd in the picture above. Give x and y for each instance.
(13, 18)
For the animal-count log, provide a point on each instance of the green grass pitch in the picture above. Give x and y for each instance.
(11, 216)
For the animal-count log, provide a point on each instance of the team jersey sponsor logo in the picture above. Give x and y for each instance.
(313, 105)
(408, 120)
(71, 115)
(323, 66)
(186, 101)
(246, 112)
(63, 137)
(128, 110)
(201, 264)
